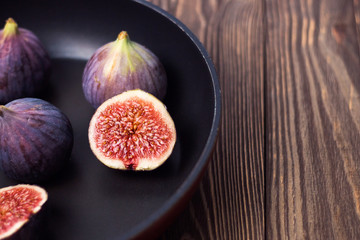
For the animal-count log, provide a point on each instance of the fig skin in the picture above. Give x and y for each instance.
(119, 66)
(36, 140)
(24, 63)
(29, 223)
(132, 131)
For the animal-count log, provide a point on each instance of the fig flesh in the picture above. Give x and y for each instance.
(36, 139)
(132, 131)
(119, 66)
(18, 205)
(24, 63)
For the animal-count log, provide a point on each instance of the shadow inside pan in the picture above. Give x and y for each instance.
(86, 199)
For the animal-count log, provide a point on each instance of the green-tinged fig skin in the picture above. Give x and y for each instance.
(120, 66)
(36, 139)
(24, 65)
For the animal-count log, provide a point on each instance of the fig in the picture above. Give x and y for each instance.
(18, 205)
(24, 63)
(132, 131)
(36, 139)
(119, 66)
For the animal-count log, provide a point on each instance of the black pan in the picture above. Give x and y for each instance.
(87, 200)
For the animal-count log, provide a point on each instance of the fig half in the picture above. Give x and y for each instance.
(24, 63)
(18, 205)
(36, 139)
(119, 66)
(132, 131)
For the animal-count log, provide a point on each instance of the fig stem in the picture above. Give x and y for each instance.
(124, 45)
(10, 28)
(123, 35)
(2, 107)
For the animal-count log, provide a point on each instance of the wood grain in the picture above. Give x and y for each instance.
(195, 14)
(229, 203)
(357, 18)
(312, 120)
(290, 77)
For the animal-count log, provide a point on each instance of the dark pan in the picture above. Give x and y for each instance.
(88, 200)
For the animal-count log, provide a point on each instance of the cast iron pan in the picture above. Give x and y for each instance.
(88, 200)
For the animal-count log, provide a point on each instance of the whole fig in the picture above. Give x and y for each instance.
(119, 66)
(36, 139)
(24, 63)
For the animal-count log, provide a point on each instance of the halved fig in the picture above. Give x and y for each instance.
(132, 131)
(19, 204)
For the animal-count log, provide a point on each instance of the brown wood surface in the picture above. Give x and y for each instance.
(313, 120)
(287, 161)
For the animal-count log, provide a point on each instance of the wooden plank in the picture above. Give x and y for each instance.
(195, 14)
(229, 203)
(312, 120)
(357, 18)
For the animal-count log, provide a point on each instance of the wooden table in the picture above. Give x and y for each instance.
(287, 161)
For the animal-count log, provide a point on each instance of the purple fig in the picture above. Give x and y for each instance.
(24, 63)
(119, 66)
(36, 139)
